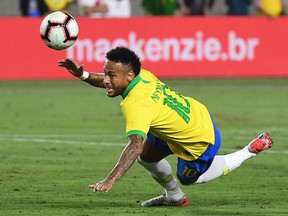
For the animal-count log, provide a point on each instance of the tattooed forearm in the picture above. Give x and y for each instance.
(127, 158)
(96, 79)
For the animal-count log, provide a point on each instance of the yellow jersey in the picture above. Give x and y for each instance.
(271, 7)
(58, 5)
(184, 123)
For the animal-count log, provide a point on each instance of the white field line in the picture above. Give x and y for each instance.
(60, 141)
(61, 136)
(29, 138)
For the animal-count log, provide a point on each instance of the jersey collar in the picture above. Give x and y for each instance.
(131, 85)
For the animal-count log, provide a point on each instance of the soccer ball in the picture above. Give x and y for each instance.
(59, 30)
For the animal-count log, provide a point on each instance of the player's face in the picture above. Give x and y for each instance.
(117, 77)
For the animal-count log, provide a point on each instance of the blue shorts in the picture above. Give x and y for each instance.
(189, 171)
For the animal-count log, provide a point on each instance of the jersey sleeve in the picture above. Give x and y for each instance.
(138, 115)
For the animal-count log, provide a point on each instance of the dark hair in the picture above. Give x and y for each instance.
(126, 57)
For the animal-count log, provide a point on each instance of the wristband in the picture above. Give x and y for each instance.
(84, 76)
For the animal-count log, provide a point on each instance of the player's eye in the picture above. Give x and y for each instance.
(111, 75)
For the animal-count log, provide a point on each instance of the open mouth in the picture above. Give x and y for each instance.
(109, 89)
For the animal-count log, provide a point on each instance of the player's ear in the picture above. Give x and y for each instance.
(130, 76)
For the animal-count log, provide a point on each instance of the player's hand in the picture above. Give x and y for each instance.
(104, 186)
(72, 66)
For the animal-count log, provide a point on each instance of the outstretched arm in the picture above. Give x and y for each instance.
(94, 79)
(130, 153)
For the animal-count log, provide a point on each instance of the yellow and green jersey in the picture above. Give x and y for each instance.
(184, 123)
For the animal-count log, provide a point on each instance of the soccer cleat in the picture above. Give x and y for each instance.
(163, 201)
(262, 142)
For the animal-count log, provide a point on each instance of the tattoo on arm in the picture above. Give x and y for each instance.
(96, 79)
(130, 153)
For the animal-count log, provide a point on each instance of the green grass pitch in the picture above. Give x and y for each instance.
(56, 137)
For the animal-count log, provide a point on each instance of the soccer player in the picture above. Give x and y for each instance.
(160, 122)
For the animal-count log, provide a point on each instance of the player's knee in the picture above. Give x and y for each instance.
(148, 166)
(141, 162)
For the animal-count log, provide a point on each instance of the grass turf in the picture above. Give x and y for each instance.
(58, 136)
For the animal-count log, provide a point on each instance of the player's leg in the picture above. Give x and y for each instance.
(188, 172)
(209, 166)
(153, 159)
(222, 164)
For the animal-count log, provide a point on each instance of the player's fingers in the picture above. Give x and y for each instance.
(63, 63)
(100, 187)
(96, 187)
(91, 185)
(70, 62)
(60, 62)
(63, 60)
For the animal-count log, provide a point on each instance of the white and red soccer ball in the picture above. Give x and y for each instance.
(59, 30)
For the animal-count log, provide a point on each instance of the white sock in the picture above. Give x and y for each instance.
(161, 171)
(235, 159)
(222, 164)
